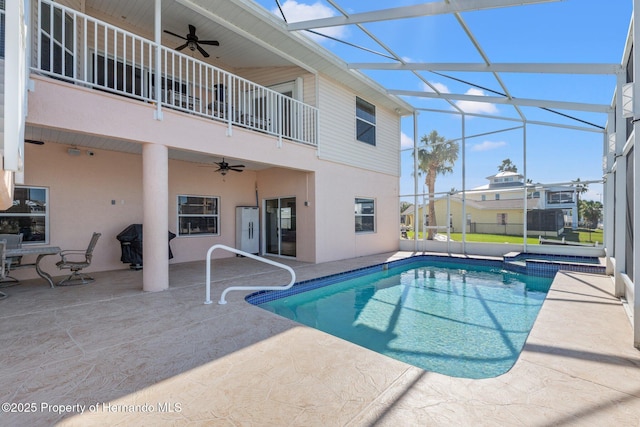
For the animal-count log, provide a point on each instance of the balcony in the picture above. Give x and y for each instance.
(80, 49)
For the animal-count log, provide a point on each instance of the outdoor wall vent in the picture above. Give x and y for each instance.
(73, 152)
(627, 100)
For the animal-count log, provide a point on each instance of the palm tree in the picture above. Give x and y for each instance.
(507, 166)
(435, 157)
(591, 211)
(581, 188)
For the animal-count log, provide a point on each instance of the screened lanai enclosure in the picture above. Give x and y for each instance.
(522, 134)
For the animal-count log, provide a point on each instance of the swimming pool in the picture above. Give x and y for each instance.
(461, 320)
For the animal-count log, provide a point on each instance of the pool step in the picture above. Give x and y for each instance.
(546, 267)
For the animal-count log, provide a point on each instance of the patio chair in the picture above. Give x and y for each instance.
(76, 261)
(13, 241)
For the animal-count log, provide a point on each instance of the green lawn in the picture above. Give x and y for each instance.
(580, 235)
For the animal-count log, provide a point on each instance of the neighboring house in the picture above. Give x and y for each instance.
(127, 130)
(498, 208)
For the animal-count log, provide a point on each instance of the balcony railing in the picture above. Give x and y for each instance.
(78, 48)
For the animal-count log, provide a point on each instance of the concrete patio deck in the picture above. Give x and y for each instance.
(126, 357)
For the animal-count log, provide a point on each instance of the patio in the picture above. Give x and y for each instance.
(166, 358)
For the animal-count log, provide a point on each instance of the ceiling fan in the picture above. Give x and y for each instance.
(193, 42)
(224, 167)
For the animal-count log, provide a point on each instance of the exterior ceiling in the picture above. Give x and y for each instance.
(73, 140)
(138, 17)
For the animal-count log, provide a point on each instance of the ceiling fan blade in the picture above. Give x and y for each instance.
(209, 42)
(236, 170)
(175, 35)
(192, 30)
(236, 166)
(33, 141)
(182, 47)
(202, 51)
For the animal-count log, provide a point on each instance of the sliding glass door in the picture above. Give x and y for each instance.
(280, 226)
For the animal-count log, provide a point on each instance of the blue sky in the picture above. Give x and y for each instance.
(569, 31)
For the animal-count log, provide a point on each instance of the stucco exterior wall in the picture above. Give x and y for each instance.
(337, 188)
(82, 188)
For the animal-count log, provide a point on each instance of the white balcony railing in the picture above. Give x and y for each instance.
(78, 48)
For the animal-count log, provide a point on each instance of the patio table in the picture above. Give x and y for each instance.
(41, 251)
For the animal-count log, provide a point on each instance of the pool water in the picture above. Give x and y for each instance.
(458, 320)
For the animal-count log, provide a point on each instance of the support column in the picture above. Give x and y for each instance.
(155, 195)
(620, 196)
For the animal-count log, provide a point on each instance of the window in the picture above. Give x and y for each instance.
(365, 215)
(365, 122)
(497, 196)
(198, 215)
(28, 215)
(501, 219)
(117, 75)
(560, 197)
(56, 39)
(483, 197)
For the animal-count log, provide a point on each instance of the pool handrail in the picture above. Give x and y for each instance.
(243, 288)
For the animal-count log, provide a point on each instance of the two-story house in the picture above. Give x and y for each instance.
(172, 114)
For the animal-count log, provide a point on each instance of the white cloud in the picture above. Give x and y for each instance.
(488, 145)
(405, 141)
(476, 107)
(295, 12)
(440, 87)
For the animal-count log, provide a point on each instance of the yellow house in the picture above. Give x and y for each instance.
(498, 208)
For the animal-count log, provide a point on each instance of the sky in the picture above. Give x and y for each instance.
(566, 31)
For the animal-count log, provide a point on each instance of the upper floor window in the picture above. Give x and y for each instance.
(28, 215)
(365, 121)
(560, 197)
(198, 215)
(534, 195)
(365, 215)
(497, 196)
